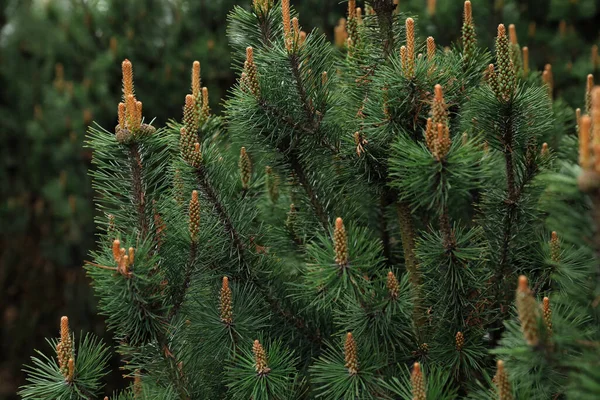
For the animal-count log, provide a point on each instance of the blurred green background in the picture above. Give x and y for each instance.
(60, 70)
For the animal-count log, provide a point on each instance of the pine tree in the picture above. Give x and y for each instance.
(405, 253)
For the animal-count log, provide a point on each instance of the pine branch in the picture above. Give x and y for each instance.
(138, 188)
(385, 18)
(180, 295)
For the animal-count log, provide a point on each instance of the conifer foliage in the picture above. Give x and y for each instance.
(386, 221)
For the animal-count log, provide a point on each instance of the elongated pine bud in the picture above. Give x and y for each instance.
(417, 382)
(186, 143)
(340, 243)
(122, 117)
(272, 183)
(525, 61)
(430, 49)
(196, 79)
(296, 31)
(251, 72)
(392, 285)
(588, 94)
(404, 60)
(410, 47)
(205, 111)
(595, 114)
(352, 24)
(245, 166)
(439, 110)
(287, 28)
(431, 6)
(225, 303)
(502, 382)
(71, 370)
(131, 255)
(351, 354)
(127, 69)
(460, 341)
(527, 310)
(123, 267)
(584, 142)
(595, 60)
(506, 70)
(548, 79)
(131, 117)
(190, 117)
(555, 247)
(547, 314)
(194, 215)
(492, 78)
(469, 39)
(116, 249)
(65, 347)
(260, 359)
(430, 135)
(359, 19)
(578, 118)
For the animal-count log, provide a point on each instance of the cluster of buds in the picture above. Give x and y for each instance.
(262, 7)
(195, 113)
(502, 383)
(351, 354)
(123, 258)
(589, 145)
(392, 285)
(130, 110)
(469, 39)
(417, 382)
(503, 80)
(260, 359)
(340, 243)
(194, 215)
(528, 312)
(249, 80)
(460, 341)
(272, 183)
(437, 132)
(407, 52)
(65, 350)
(225, 303)
(245, 166)
(340, 34)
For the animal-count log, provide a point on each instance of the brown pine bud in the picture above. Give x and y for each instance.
(439, 109)
(545, 149)
(65, 347)
(469, 39)
(272, 183)
(190, 117)
(584, 142)
(431, 6)
(123, 266)
(404, 59)
(194, 215)
(127, 69)
(528, 312)
(430, 50)
(351, 354)
(548, 79)
(506, 71)
(340, 243)
(225, 303)
(392, 285)
(196, 79)
(116, 249)
(287, 28)
(131, 255)
(417, 382)
(547, 314)
(205, 111)
(595, 60)
(502, 382)
(512, 34)
(460, 341)
(245, 166)
(525, 61)
(132, 119)
(492, 79)
(121, 114)
(71, 370)
(251, 72)
(410, 47)
(468, 13)
(430, 135)
(260, 359)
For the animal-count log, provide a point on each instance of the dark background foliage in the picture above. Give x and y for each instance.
(60, 70)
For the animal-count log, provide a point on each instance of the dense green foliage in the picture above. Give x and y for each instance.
(343, 191)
